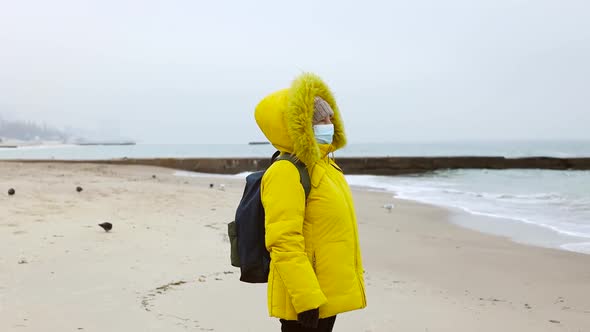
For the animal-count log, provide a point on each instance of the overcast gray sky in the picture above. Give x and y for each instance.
(192, 71)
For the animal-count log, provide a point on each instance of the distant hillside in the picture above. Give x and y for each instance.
(28, 131)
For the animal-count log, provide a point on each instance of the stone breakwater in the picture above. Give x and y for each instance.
(369, 165)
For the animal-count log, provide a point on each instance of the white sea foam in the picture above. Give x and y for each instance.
(208, 175)
(583, 247)
(555, 200)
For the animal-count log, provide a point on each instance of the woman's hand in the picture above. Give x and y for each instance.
(309, 318)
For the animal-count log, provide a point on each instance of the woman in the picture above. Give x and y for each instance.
(316, 269)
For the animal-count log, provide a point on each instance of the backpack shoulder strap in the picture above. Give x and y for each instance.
(303, 174)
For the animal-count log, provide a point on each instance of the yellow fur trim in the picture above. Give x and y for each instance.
(299, 117)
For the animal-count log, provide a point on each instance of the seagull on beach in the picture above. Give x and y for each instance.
(389, 207)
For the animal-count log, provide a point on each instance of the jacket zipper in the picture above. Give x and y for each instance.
(356, 250)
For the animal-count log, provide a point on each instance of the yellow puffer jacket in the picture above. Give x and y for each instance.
(314, 247)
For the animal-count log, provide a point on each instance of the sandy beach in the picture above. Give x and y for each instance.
(165, 265)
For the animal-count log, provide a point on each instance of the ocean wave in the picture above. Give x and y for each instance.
(582, 247)
(565, 213)
(539, 196)
(505, 196)
(208, 175)
(558, 228)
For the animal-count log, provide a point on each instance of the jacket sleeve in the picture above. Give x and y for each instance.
(283, 198)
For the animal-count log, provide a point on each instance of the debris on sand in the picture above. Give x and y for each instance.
(107, 226)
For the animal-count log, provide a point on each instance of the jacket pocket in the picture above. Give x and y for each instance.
(233, 242)
(334, 264)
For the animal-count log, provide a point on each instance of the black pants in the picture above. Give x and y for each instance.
(324, 325)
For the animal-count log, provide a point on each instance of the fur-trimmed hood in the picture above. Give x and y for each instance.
(286, 118)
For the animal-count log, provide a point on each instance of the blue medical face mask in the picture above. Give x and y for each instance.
(324, 133)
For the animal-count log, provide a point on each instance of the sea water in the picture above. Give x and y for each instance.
(561, 149)
(555, 202)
